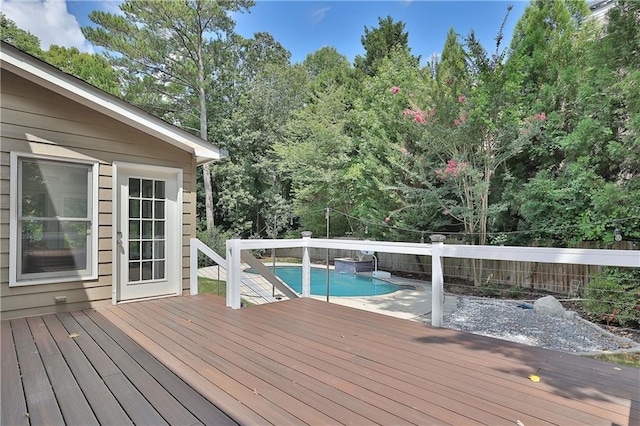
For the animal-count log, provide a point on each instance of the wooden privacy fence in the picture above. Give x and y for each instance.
(554, 277)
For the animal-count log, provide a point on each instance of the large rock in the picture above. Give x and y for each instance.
(549, 305)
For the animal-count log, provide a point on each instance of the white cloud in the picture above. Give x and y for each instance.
(318, 15)
(49, 20)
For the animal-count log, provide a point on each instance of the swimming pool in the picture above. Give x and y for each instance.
(339, 284)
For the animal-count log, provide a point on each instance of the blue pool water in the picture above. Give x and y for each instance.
(339, 284)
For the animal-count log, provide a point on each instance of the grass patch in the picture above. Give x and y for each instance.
(631, 359)
(216, 287)
(210, 286)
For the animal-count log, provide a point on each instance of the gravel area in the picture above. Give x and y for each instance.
(505, 320)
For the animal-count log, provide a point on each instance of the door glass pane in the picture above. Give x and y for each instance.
(147, 229)
(147, 249)
(134, 271)
(147, 244)
(159, 209)
(147, 270)
(134, 187)
(134, 250)
(147, 209)
(159, 229)
(134, 208)
(134, 229)
(158, 270)
(147, 188)
(159, 189)
(158, 250)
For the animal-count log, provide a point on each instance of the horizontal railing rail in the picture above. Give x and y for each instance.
(437, 250)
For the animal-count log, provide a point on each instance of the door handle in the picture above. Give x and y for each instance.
(119, 238)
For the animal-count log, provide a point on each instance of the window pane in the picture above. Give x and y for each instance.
(147, 188)
(54, 219)
(75, 207)
(53, 246)
(54, 189)
(134, 187)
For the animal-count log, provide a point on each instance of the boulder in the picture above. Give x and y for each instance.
(549, 305)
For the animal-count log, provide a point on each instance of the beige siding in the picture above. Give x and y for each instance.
(35, 120)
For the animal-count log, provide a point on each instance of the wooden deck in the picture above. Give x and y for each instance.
(190, 360)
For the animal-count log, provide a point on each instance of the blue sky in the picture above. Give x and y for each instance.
(302, 27)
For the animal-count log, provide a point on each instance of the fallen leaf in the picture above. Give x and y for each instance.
(519, 423)
(255, 391)
(74, 335)
(534, 378)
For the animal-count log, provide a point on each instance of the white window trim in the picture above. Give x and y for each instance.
(13, 223)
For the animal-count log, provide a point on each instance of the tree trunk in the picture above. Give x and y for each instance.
(206, 171)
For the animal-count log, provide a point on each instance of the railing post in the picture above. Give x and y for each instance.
(437, 280)
(193, 267)
(233, 273)
(306, 265)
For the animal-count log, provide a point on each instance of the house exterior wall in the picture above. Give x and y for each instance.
(37, 121)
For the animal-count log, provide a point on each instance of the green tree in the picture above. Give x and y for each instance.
(583, 170)
(251, 190)
(325, 60)
(315, 155)
(93, 69)
(379, 42)
(19, 38)
(171, 48)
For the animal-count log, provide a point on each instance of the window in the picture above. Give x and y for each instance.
(54, 229)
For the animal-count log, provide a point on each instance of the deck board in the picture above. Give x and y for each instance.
(13, 406)
(166, 405)
(73, 404)
(182, 392)
(105, 406)
(191, 360)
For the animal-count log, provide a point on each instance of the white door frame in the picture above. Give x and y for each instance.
(173, 226)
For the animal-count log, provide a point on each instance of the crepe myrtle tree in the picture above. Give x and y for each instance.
(469, 150)
(468, 132)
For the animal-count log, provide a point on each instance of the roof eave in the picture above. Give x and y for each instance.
(45, 75)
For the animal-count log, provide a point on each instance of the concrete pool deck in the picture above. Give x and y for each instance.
(409, 303)
(412, 303)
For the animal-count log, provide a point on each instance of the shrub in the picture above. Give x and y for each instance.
(491, 289)
(613, 295)
(216, 240)
(515, 292)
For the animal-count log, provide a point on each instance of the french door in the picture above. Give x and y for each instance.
(148, 232)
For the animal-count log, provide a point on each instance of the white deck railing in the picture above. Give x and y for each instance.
(437, 250)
